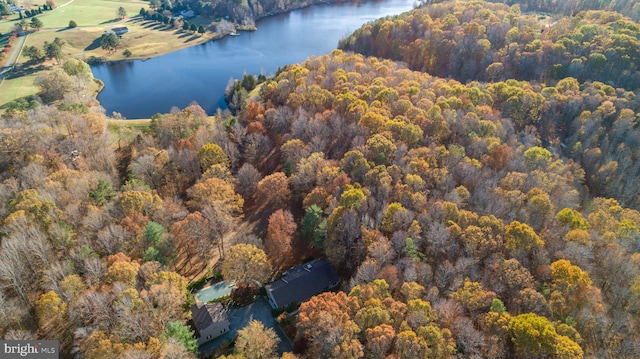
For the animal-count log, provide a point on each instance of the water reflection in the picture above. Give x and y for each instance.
(138, 89)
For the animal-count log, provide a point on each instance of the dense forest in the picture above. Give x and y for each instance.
(595, 50)
(478, 198)
(493, 42)
(572, 7)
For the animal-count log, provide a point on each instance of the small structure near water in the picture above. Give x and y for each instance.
(119, 31)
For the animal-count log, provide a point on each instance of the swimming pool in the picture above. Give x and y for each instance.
(215, 291)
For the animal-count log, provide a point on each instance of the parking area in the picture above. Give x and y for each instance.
(240, 318)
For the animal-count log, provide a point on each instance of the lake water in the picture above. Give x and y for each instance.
(139, 89)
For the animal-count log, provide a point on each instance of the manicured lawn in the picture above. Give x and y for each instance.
(145, 39)
(90, 12)
(7, 24)
(12, 89)
(83, 12)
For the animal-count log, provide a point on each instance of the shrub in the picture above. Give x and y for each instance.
(244, 294)
(197, 283)
(72, 24)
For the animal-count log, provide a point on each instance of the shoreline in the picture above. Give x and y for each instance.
(239, 28)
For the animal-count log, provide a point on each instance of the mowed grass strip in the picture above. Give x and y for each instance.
(90, 12)
(84, 13)
(13, 88)
(145, 39)
(93, 17)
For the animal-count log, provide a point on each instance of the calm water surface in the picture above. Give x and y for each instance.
(139, 89)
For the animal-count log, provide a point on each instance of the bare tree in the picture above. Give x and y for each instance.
(221, 222)
(247, 180)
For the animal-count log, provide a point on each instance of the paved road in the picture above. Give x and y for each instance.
(13, 57)
(17, 48)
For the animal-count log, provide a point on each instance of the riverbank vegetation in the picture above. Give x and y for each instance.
(494, 42)
(467, 216)
(241, 13)
(144, 39)
(154, 28)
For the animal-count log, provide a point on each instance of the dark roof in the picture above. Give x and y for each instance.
(204, 315)
(120, 30)
(302, 282)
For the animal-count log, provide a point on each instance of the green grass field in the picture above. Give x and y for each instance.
(83, 12)
(90, 12)
(145, 38)
(14, 88)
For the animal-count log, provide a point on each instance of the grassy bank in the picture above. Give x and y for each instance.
(83, 12)
(139, 123)
(13, 88)
(145, 39)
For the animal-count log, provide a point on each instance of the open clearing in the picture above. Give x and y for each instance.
(13, 88)
(83, 12)
(145, 39)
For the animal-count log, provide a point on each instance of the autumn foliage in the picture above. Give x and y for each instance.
(477, 199)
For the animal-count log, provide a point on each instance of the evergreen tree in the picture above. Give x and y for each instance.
(183, 334)
(36, 23)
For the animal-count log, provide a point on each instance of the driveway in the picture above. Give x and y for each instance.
(13, 57)
(240, 318)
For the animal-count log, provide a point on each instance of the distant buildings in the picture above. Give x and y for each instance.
(209, 320)
(15, 8)
(301, 282)
(118, 31)
(187, 14)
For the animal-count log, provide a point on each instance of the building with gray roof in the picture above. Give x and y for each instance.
(209, 320)
(301, 282)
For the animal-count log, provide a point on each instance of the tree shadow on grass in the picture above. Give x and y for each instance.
(158, 27)
(108, 21)
(26, 71)
(193, 37)
(148, 22)
(183, 35)
(94, 45)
